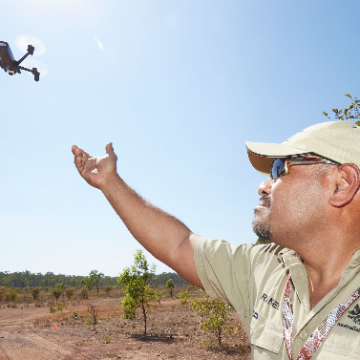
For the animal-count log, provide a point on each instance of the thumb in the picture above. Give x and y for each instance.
(110, 149)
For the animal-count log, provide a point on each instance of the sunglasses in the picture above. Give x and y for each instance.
(280, 166)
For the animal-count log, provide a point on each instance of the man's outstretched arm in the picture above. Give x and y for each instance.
(164, 236)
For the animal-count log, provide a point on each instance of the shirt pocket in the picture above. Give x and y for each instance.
(338, 352)
(331, 355)
(342, 342)
(264, 335)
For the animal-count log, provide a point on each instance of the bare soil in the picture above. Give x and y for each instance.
(27, 332)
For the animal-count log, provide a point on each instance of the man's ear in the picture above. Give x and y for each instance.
(346, 185)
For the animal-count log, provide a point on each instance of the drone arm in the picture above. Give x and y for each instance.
(22, 59)
(30, 51)
(23, 68)
(33, 71)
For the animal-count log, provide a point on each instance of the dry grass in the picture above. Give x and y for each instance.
(173, 333)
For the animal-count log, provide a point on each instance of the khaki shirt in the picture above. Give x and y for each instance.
(252, 278)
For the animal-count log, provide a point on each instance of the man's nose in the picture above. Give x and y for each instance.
(265, 187)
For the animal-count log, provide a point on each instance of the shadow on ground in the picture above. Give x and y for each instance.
(165, 338)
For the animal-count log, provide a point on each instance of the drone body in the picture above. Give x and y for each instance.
(10, 65)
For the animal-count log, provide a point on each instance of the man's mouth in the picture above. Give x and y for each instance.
(264, 202)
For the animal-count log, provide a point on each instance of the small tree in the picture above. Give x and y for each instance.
(61, 307)
(35, 293)
(95, 278)
(87, 282)
(170, 286)
(93, 319)
(136, 282)
(61, 287)
(184, 296)
(108, 288)
(214, 316)
(69, 292)
(84, 293)
(56, 293)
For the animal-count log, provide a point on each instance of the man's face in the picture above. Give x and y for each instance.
(291, 206)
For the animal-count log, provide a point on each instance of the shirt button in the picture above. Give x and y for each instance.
(303, 335)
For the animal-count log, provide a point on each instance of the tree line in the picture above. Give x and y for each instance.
(27, 279)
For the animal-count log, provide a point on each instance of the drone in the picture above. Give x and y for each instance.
(10, 65)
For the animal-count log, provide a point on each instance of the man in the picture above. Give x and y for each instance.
(296, 297)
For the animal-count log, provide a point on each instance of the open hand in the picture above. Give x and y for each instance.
(95, 170)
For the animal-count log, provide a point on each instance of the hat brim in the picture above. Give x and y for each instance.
(261, 155)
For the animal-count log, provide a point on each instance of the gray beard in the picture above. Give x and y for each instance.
(262, 229)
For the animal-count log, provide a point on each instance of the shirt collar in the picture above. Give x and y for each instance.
(286, 253)
(293, 262)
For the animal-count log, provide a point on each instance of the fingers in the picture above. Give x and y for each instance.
(86, 163)
(110, 150)
(73, 149)
(80, 157)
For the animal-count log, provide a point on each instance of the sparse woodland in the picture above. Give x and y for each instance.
(87, 313)
(173, 330)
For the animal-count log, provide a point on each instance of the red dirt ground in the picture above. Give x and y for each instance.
(173, 333)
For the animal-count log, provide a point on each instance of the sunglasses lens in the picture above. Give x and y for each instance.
(277, 168)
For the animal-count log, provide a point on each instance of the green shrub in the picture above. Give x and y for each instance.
(2, 292)
(84, 293)
(108, 289)
(61, 307)
(69, 292)
(56, 293)
(214, 316)
(35, 293)
(11, 295)
(170, 287)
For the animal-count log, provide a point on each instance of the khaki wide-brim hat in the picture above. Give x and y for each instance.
(338, 141)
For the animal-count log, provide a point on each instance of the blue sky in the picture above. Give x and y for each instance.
(178, 87)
